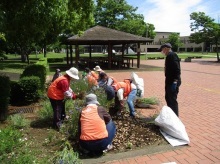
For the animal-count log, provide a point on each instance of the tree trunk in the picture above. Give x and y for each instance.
(218, 59)
(28, 61)
(45, 50)
(23, 57)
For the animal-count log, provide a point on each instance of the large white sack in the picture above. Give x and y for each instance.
(171, 124)
(139, 82)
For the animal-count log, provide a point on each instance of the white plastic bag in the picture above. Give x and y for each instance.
(139, 82)
(171, 124)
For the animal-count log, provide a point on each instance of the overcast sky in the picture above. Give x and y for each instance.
(173, 15)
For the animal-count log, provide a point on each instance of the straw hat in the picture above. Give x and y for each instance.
(91, 99)
(73, 73)
(97, 68)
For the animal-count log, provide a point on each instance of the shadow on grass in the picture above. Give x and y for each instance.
(42, 123)
(11, 64)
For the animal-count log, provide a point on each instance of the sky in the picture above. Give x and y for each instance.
(174, 15)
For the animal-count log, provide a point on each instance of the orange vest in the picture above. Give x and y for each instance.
(95, 75)
(92, 79)
(92, 126)
(126, 85)
(54, 92)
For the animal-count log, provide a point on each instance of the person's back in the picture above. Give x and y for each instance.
(56, 75)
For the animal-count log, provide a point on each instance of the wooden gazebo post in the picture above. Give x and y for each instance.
(109, 55)
(76, 54)
(71, 54)
(67, 54)
(138, 56)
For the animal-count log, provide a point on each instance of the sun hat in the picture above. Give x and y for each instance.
(97, 68)
(168, 45)
(91, 99)
(73, 72)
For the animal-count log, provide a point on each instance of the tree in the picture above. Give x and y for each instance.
(2, 43)
(150, 33)
(117, 14)
(174, 40)
(206, 30)
(27, 22)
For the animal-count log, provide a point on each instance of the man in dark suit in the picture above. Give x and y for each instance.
(172, 76)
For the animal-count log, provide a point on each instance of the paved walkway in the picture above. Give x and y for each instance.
(199, 103)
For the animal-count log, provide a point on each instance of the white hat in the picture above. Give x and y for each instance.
(73, 72)
(91, 99)
(97, 68)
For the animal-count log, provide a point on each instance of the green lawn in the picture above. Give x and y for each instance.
(181, 55)
(13, 63)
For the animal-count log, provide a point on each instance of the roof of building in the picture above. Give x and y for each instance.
(104, 35)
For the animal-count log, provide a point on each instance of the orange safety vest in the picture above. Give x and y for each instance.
(92, 126)
(92, 79)
(95, 75)
(126, 85)
(54, 92)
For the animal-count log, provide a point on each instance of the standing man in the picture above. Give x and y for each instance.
(172, 76)
(58, 91)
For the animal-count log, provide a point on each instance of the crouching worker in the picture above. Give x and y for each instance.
(58, 91)
(106, 82)
(125, 90)
(96, 128)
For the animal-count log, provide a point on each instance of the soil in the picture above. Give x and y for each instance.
(135, 133)
(131, 133)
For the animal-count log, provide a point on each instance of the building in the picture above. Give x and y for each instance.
(186, 47)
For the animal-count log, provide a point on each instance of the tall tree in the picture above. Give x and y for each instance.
(206, 30)
(28, 22)
(174, 40)
(119, 15)
(150, 33)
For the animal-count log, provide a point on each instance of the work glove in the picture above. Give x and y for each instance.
(173, 87)
(81, 95)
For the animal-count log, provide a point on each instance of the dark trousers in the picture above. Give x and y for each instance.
(58, 112)
(101, 144)
(171, 98)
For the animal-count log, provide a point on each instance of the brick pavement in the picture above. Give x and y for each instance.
(199, 102)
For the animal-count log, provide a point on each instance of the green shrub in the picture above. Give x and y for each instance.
(4, 96)
(150, 100)
(19, 121)
(46, 112)
(70, 126)
(21, 157)
(30, 86)
(3, 56)
(79, 86)
(36, 70)
(42, 61)
(16, 94)
(67, 155)
(10, 138)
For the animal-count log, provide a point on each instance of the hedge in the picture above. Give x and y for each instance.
(36, 70)
(4, 96)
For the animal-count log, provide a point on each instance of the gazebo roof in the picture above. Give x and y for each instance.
(103, 35)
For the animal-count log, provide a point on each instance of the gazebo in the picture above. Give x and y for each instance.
(99, 35)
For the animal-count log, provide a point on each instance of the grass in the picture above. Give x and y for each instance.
(181, 55)
(14, 65)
